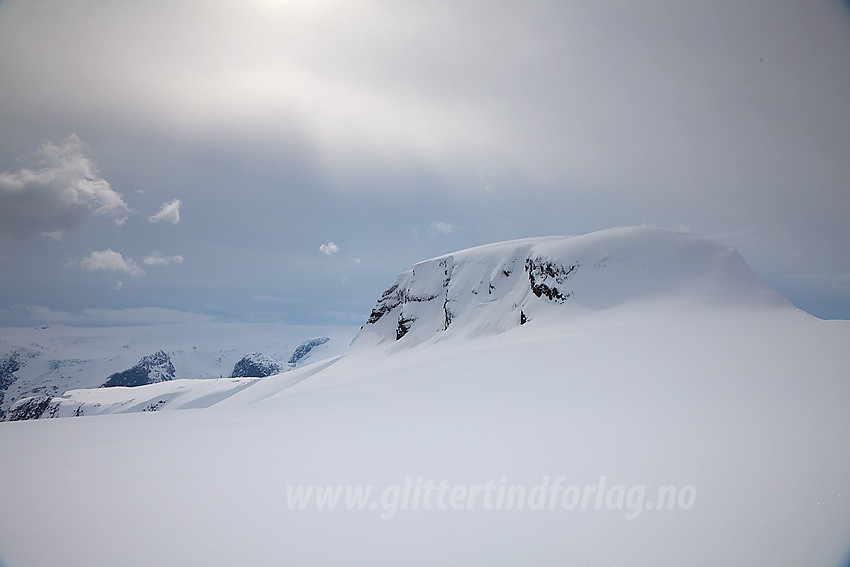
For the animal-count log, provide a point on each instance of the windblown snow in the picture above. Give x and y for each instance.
(628, 397)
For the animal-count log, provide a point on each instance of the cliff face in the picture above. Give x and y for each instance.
(490, 289)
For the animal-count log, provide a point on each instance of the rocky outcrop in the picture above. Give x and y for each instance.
(150, 369)
(545, 278)
(257, 365)
(303, 350)
(9, 364)
(31, 408)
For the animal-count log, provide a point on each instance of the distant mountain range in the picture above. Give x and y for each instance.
(45, 362)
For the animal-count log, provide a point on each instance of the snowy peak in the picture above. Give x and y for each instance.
(493, 288)
(150, 369)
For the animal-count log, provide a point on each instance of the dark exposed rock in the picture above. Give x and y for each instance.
(389, 300)
(9, 364)
(30, 408)
(403, 327)
(545, 277)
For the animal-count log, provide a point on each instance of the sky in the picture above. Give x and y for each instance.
(264, 160)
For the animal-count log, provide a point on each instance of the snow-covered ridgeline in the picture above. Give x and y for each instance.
(490, 289)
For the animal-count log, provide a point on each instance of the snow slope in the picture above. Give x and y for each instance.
(699, 383)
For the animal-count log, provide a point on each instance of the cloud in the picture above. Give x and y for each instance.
(835, 281)
(60, 188)
(276, 299)
(157, 258)
(167, 213)
(91, 317)
(139, 316)
(111, 261)
(44, 314)
(344, 316)
(329, 248)
(596, 114)
(440, 227)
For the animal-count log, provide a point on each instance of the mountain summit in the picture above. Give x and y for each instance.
(490, 289)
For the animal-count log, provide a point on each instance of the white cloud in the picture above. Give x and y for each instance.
(56, 192)
(167, 213)
(111, 261)
(157, 258)
(329, 248)
(440, 227)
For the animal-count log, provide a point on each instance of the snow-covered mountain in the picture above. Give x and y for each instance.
(51, 360)
(257, 365)
(491, 289)
(151, 369)
(656, 404)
